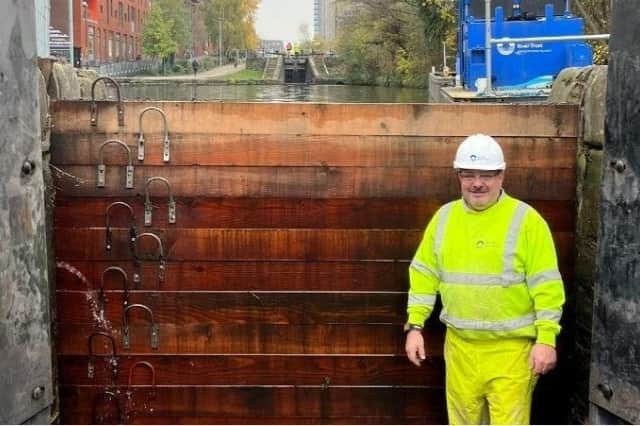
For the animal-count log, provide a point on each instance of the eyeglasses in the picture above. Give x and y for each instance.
(484, 176)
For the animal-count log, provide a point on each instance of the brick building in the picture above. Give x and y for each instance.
(103, 30)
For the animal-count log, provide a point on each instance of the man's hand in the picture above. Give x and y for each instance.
(414, 347)
(542, 359)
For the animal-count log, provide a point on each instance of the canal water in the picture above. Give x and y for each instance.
(181, 91)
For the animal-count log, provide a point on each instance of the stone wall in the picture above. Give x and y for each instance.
(586, 87)
(26, 381)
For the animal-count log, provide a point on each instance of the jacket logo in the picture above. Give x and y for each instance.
(485, 244)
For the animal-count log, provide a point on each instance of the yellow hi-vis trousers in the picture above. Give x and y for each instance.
(488, 381)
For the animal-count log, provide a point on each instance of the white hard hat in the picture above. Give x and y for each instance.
(479, 152)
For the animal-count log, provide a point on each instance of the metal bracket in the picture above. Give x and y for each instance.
(102, 168)
(94, 105)
(166, 143)
(155, 336)
(101, 172)
(155, 329)
(129, 181)
(161, 270)
(113, 361)
(94, 112)
(148, 213)
(148, 207)
(126, 342)
(161, 257)
(172, 211)
(166, 146)
(141, 147)
(106, 395)
(132, 225)
(125, 285)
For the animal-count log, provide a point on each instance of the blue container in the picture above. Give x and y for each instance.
(516, 64)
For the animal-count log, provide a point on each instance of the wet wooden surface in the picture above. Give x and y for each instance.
(287, 270)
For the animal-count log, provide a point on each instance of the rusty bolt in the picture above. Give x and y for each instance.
(619, 166)
(37, 392)
(27, 168)
(606, 390)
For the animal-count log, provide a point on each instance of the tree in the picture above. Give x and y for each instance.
(176, 12)
(157, 40)
(596, 14)
(304, 37)
(385, 43)
(238, 23)
(439, 18)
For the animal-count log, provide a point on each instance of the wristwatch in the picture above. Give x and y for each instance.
(408, 327)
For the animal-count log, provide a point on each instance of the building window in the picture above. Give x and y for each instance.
(110, 45)
(98, 45)
(117, 47)
(90, 43)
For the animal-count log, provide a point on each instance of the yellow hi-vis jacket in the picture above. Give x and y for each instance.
(496, 272)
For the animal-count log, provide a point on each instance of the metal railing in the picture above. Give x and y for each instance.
(126, 67)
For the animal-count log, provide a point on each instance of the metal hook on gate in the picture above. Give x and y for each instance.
(106, 395)
(132, 225)
(161, 259)
(148, 208)
(102, 169)
(152, 393)
(113, 362)
(150, 367)
(125, 279)
(94, 105)
(155, 329)
(166, 143)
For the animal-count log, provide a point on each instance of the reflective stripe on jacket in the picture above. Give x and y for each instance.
(496, 272)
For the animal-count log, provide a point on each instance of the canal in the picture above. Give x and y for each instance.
(180, 91)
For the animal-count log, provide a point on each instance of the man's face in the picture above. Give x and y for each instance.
(480, 188)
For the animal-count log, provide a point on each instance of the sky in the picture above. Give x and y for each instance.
(281, 19)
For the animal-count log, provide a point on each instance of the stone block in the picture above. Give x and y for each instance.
(569, 86)
(43, 105)
(64, 82)
(46, 67)
(86, 79)
(595, 101)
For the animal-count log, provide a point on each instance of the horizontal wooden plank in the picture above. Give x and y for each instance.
(385, 213)
(265, 276)
(206, 149)
(241, 244)
(253, 244)
(207, 338)
(307, 182)
(183, 309)
(325, 119)
(239, 276)
(205, 370)
(228, 420)
(259, 402)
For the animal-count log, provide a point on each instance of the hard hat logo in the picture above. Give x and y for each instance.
(479, 152)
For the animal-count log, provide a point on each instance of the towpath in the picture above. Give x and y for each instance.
(211, 74)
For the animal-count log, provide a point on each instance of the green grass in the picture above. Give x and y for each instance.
(244, 75)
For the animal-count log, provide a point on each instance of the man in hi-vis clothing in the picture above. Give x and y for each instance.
(493, 262)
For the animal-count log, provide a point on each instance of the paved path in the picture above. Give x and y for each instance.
(211, 74)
